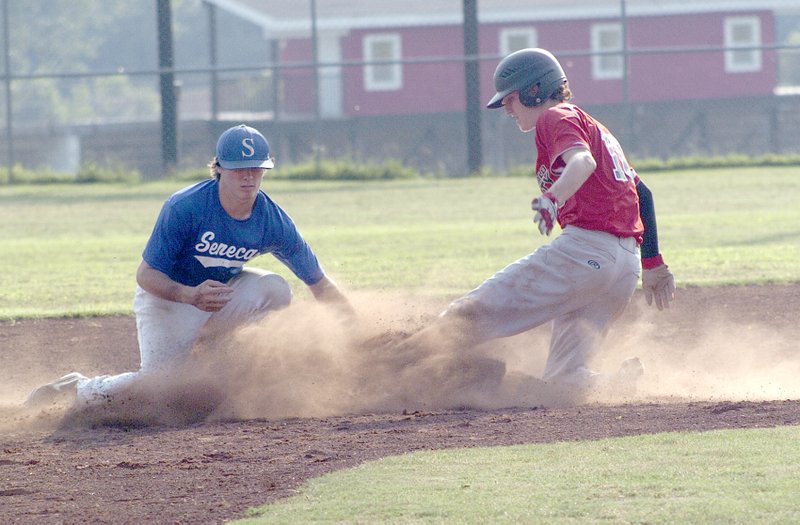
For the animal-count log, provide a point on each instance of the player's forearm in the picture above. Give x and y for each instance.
(158, 284)
(647, 212)
(579, 167)
(326, 290)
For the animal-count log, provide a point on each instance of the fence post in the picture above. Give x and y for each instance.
(169, 120)
(473, 83)
(9, 113)
(212, 59)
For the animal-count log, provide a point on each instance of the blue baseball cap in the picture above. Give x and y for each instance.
(243, 147)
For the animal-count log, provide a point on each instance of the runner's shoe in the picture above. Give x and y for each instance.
(626, 378)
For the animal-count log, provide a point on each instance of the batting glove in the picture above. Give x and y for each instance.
(546, 208)
(657, 282)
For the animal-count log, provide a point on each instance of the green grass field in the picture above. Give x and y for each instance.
(74, 249)
(743, 476)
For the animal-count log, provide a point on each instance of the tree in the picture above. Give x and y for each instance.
(53, 37)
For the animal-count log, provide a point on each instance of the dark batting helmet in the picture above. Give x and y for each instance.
(534, 72)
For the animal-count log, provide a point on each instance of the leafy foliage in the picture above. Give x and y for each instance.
(92, 172)
(54, 37)
(346, 170)
(88, 173)
(726, 161)
(23, 175)
(733, 160)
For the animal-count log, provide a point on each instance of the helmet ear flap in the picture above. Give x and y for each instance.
(530, 96)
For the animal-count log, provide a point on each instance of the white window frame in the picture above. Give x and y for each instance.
(745, 60)
(373, 73)
(604, 66)
(528, 34)
(331, 90)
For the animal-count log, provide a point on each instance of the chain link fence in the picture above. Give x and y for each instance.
(101, 102)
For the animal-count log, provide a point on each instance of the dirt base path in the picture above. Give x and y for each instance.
(54, 470)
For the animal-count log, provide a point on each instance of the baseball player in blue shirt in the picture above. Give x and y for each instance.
(193, 280)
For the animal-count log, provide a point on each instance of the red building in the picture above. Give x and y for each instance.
(424, 41)
(670, 77)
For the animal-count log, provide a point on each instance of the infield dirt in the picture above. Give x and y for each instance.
(300, 398)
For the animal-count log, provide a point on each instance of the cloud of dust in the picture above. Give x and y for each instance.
(710, 358)
(309, 361)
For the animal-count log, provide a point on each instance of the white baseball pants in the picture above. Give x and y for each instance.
(582, 282)
(167, 330)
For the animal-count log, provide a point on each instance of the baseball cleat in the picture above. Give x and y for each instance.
(631, 369)
(61, 391)
(624, 381)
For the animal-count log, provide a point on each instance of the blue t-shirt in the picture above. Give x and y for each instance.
(195, 239)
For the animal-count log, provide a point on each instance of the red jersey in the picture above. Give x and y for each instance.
(608, 200)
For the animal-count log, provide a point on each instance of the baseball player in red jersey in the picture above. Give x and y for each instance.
(583, 279)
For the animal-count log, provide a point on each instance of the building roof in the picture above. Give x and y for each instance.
(293, 17)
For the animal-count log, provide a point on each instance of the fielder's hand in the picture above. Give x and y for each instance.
(658, 283)
(326, 291)
(546, 208)
(211, 296)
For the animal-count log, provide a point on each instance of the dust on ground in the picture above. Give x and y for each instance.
(304, 393)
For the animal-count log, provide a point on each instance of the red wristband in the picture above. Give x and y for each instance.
(648, 263)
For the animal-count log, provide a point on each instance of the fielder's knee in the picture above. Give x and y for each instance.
(277, 291)
(262, 291)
